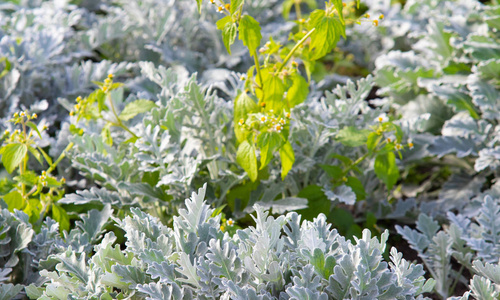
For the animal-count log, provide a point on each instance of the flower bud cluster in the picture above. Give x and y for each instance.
(43, 178)
(79, 107)
(229, 223)
(22, 116)
(108, 82)
(268, 119)
(382, 120)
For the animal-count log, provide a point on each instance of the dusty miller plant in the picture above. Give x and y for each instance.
(470, 240)
(280, 258)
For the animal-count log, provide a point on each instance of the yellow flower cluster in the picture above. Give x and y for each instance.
(107, 83)
(229, 222)
(79, 107)
(19, 117)
(274, 123)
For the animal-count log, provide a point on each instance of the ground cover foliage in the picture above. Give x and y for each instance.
(228, 150)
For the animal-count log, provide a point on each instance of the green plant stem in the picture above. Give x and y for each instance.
(299, 43)
(358, 161)
(298, 13)
(118, 121)
(259, 72)
(44, 211)
(121, 125)
(33, 189)
(61, 157)
(24, 163)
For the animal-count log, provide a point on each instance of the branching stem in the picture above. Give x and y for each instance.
(299, 43)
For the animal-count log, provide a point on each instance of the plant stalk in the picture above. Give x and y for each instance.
(299, 43)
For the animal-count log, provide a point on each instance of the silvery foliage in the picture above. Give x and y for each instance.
(316, 124)
(190, 134)
(278, 258)
(24, 252)
(54, 50)
(471, 240)
(449, 77)
(44, 46)
(186, 139)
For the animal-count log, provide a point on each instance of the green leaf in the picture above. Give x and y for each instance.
(329, 28)
(317, 202)
(14, 200)
(373, 140)
(235, 6)
(386, 168)
(28, 178)
(268, 142)
(136, 107)
(312, 4)
(298, 91)
(247, 159)
(357, 187)
(334, 172)
(273, 91)
(98, 96)
(287, 159)
(353, 137)
(344, 159)
(344, 222)
(45, 155)
(244, 104)
(250, 33)
(318, 260)
(229, 35)
(34, 128)
(198, 2)
(61, 216)
(287, 6)
(330, 263)
(339, 7)
(13, 155)
(36, 154)
(33, 210)
(7, 68)
(222, 22)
